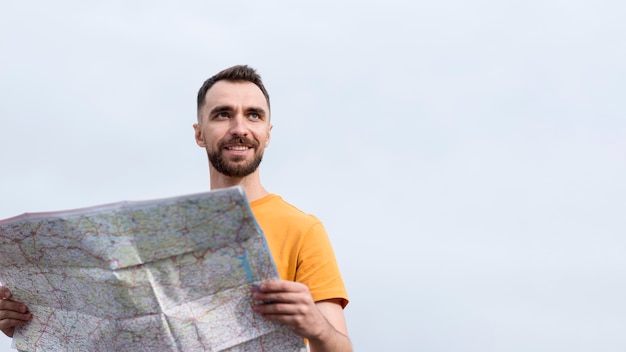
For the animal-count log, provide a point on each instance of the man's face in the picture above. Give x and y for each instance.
(234, 127)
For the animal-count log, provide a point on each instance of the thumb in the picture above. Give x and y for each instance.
(5, 293)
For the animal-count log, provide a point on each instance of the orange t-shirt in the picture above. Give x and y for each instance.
(300, 247)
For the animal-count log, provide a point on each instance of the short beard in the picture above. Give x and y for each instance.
(234, 170)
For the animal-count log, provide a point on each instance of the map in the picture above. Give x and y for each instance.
(174, 274)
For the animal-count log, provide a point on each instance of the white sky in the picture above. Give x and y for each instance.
(467, 158)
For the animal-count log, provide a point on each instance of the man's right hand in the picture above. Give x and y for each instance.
(12, 313)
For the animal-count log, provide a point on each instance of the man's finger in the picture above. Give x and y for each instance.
(272, 297)
(282, 285)
(275, 308)
(13, 315)
(6, 324)
(8, 305)
(5, 293)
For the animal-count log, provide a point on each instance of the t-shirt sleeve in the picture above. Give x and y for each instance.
(317, 266)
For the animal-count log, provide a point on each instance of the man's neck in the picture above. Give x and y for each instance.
(251, 184)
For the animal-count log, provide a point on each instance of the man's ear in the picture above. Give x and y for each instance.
(269, 135)
(198, 134)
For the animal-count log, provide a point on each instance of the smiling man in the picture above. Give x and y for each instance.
(234, 128)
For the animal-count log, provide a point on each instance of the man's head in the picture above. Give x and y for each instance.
(233, 121)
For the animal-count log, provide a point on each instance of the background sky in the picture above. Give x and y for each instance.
(468, 158)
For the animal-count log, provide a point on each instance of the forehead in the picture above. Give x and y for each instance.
(238, 94)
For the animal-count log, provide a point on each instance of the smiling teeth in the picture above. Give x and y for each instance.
(238, 147)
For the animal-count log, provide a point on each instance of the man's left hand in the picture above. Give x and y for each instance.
(290, 303)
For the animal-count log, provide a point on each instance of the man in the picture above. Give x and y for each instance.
(234, 128)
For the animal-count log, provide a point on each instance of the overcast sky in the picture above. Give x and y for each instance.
(467, 158)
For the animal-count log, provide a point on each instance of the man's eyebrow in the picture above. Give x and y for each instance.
(256, 110)
(220, 108)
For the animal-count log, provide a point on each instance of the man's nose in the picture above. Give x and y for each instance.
(238, 126)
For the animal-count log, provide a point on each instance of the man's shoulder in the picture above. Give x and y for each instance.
(275, 206)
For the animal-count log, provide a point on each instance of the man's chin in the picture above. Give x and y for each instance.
(235, 166)
(236, 170)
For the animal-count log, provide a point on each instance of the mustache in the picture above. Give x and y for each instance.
(239, 140)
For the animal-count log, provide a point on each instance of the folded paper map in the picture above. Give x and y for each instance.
(173, 274)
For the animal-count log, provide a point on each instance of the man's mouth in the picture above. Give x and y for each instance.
(238, 147)
(239, 144)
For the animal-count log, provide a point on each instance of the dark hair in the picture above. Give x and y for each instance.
(234, 74)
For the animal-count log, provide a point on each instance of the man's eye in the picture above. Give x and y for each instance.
(255, 116)
(222, 115)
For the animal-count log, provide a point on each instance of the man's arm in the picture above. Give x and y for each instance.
(322, 323)
(339, 340)
(12, 313)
